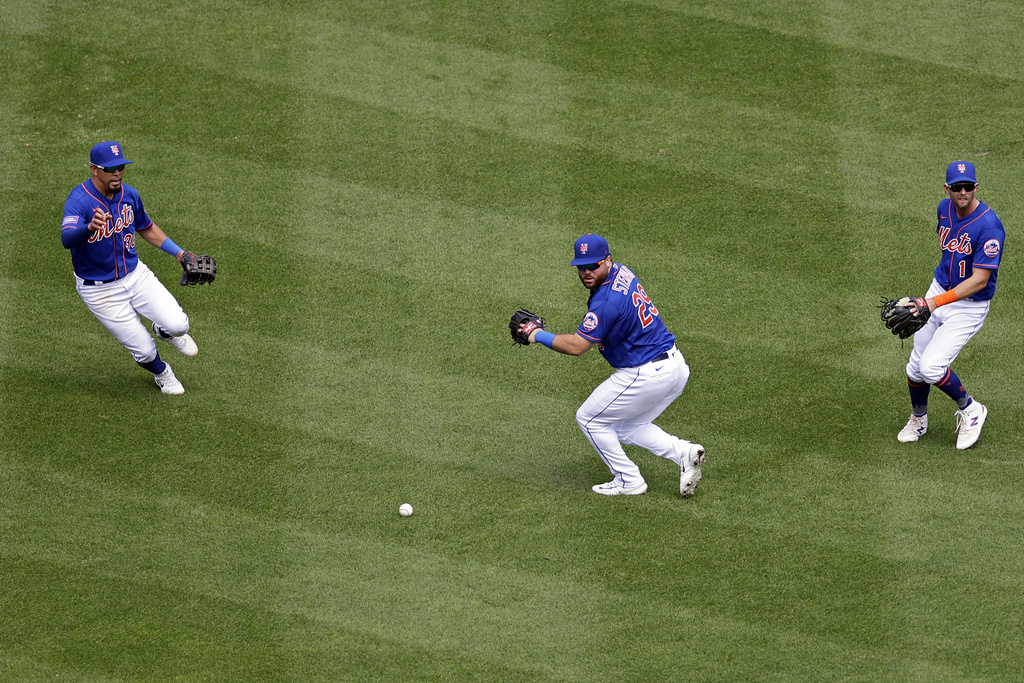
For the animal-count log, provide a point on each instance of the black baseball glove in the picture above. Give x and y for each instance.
(533, 322)
(198, 269)
(905, 316)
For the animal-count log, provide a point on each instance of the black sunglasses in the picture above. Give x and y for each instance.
(961, 187)
(111, 169)
(589, 266)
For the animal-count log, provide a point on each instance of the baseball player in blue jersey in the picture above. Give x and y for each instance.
(650, 372)
(102, 216)
(971, 237)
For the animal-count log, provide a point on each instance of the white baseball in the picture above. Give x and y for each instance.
(405, 509)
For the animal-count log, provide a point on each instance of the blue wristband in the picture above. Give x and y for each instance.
(546, 338)
(170, 247)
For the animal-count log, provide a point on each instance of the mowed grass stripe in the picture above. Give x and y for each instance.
(424, 84)
(911, 31)
(550, 104)
(419, 598)
(462, 84)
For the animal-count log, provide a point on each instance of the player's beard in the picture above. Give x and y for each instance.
(589, 281)
(595, 280)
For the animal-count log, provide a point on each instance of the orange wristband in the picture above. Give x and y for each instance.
(945, 298)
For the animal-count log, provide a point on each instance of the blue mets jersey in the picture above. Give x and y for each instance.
(624, 323)
(968, 243)
(107, 254)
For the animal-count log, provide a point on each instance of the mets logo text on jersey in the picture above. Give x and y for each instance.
(961, 245)
(126, 218)
(991, 248)
(589, 321)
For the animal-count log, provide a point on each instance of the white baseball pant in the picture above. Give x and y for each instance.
(118, 305)
(621, 411)
(938, 343)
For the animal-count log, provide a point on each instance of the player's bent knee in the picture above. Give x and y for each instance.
(914, 373)
(585, 418)
(176, 326)
(933, 375)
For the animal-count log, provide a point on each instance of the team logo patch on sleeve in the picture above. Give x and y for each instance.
(992, 248)
(70, 220)
(589, 322)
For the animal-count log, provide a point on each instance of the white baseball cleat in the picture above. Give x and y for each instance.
(968, 424)
(690, 459)
(167, 382)
(185, 345)
(613, 488)
(915, 429)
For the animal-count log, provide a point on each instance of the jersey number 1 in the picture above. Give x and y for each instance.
(645, 309)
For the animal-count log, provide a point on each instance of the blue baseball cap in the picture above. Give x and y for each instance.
(590, 248)
(960, 172)
(107, 154)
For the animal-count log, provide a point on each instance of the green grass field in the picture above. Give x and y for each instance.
(383, 184)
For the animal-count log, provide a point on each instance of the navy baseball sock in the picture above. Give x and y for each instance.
(954, 388)
(156, 366)
(918, 397)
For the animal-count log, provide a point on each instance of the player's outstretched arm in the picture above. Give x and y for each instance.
(569, 344)
(159, 239)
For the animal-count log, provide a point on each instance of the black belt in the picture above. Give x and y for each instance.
(660, 358)
(90, 283)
